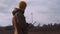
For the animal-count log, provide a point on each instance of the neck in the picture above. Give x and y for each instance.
(22, 10)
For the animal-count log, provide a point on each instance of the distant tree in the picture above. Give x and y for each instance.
(50, 25)
(55, 24)
(44, 25)
(38, 25)
(8, 28)
(31, 25)
(59, 24)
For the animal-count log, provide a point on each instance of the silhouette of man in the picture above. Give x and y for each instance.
(18, 19)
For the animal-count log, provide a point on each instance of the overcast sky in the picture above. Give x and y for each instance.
(44, 11)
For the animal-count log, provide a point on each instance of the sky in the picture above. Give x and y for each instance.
(41, 11)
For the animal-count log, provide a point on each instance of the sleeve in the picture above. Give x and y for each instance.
(14, 21)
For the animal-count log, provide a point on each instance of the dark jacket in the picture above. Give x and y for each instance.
(18, 18)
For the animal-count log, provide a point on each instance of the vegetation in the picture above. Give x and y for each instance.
(45, 28)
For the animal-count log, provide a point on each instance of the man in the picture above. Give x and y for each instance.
(19, 22)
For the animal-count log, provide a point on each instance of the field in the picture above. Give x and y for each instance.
(33, 30)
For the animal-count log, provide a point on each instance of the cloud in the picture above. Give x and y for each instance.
(6, 7)
(5, 19)
(45, 11)
(3, 5)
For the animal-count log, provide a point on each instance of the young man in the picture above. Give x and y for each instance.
(19, 22)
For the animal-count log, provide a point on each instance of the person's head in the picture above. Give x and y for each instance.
(22, 4)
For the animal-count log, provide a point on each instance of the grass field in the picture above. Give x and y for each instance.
(32, 30)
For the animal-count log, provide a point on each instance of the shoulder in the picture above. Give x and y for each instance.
(15, 10)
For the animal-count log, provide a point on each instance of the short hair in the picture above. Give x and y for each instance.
(22, 4)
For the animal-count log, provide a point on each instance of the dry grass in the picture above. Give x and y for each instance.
(32, 30)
